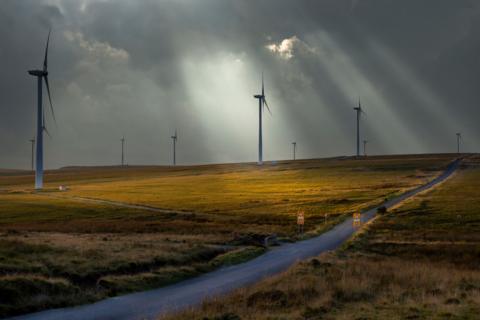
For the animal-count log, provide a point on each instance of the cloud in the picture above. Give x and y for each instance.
(284, 49)
(288, 48)
(95, 48)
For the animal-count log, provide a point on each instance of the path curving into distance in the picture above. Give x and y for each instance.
(150, 304)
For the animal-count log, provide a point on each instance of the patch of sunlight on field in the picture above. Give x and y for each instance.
(419, 261)
(315, 186)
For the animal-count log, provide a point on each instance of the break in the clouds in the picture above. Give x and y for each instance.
(289, 47)
(285, 48)
(143, 69)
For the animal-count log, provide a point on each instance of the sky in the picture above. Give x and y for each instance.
(143, 69)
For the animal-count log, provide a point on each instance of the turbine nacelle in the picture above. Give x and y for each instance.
(38, 73)
(359, 109)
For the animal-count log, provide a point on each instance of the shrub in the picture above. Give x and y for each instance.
(267, 299)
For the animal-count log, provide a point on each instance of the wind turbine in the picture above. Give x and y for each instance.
(459, 137)
(294, 150)
(261, 103)
(41, 75)
(33, 150)
(174, 139)
(359, 111)
(365, 147)
(123, 150)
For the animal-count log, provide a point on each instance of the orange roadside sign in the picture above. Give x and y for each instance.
(356, 216)
(357, 222)
(301, 218)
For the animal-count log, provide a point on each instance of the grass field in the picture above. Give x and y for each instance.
(57, 250)
(419, 261)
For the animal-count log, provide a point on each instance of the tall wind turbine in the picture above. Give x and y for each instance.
(294, 150)
(459, 137)
(174, 139)
(32, 141)
(262, 102)
(365, 147)
(359, 111)
(41, 75)
(123, 150)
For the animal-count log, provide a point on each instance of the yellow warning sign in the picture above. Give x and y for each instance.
(357, 221)
(301, 218)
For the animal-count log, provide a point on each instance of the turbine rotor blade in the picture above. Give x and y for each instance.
(45, 61)
(50, 100)
(46, 131)
(263, 86)
(266, 104)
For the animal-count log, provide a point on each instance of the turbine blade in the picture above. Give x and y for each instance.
(46, 131)
(362, 111)
(45, 61)
(50, 100)
(266, 104)
(263, 86)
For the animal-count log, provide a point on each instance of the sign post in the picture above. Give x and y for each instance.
(300, 221)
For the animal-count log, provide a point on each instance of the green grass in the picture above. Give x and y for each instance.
(418, 261)
(57, 251)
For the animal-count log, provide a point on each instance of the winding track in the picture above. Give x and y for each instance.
(149, 304)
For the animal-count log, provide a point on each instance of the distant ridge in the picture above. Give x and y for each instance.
(4, 171)
(13, 171)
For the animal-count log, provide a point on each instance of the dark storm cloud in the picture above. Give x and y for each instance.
(144, 68)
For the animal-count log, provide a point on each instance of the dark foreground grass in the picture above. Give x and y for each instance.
(58, 251)
(419, 261)
(72, 269)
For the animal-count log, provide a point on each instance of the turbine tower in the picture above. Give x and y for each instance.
(32, 141)
(365, 147)
(41, 75)
(459, 137)
(294, 150)
(262, 102)
(174, 139)
(359, 111)
(123, 150)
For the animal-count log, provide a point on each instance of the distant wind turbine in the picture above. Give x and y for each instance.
(359, 111)
(33, 151)
(365, 147)
(41, 127)
(459, 137)
(123, 150)
(294, 150)
(174, 139)
(262, 102)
